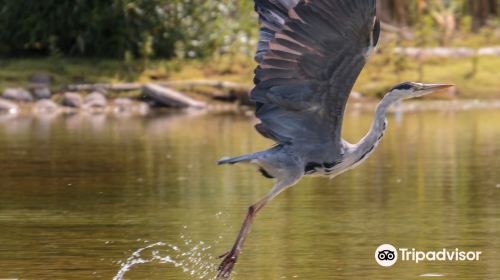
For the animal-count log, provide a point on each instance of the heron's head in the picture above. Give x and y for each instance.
(410, 89)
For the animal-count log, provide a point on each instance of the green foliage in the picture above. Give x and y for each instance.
(119, 28)
(188, 29)
(72, 27)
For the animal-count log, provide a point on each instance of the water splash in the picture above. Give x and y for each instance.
(135, 259)
(194, 258)
(195, 261)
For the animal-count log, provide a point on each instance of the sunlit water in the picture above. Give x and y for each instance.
(95, 196)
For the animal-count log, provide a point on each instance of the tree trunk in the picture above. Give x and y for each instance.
(481, 10)
(397, 12)
(394, 11)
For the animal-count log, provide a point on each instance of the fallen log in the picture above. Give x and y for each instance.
(170, 98)
(447, 52)
(108, 87)
(181, 83)
(233, 91)
(209, 83)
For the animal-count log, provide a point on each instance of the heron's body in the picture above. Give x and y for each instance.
(310, 54)
(283, 157)
(314, 161)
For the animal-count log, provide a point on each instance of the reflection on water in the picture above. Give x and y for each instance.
(79, 194)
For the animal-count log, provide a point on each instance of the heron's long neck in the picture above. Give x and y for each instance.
(372, 138)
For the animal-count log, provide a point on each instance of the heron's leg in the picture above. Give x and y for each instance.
(231, 257)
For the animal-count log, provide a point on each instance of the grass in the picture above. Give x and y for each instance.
(382, 72)
(16, 72)
(483, 83)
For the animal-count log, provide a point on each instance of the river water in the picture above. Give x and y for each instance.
(99, 196)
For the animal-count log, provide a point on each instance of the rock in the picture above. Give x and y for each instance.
(126, 106)
(101, 90)
(41, 79)
(42, 92)
(170, 98)
(95, 100)
(45, 106)
(72, 99)
(7, 106)
(122, 104)
(18, 94)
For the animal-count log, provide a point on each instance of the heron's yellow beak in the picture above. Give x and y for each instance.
(435, 87)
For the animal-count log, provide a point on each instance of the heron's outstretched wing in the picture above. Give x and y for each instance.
(310, 53)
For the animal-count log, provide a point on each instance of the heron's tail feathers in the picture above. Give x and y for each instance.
(244, 158)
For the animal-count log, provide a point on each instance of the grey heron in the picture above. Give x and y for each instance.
(309, 55)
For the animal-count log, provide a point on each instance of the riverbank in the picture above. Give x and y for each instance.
(121, 109)
(475, 77)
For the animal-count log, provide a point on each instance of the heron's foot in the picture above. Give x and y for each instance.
(226, 266)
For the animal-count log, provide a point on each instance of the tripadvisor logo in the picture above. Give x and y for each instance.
(387, 255)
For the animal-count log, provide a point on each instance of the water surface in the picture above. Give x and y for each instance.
(80, 193)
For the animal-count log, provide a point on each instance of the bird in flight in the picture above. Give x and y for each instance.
(309, 55)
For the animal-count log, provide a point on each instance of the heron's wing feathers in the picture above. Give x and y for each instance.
(310, 53)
